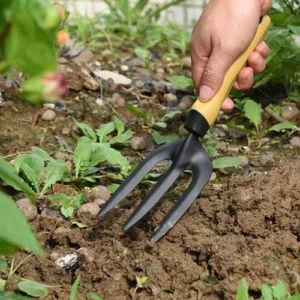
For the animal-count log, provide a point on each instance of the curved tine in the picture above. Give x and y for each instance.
(153, 196)
(161, 153)
(200, 179)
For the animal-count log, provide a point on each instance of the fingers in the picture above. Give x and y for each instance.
(228, 104)
(245, 79)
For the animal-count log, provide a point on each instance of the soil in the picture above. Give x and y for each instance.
(247, 228)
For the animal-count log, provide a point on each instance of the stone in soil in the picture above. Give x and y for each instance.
(295, 142)
(66, 130)
(289, 112)
(138, 143)
(267, 158)
(118, 100)
(171, 99)
(117, 78)
(88, 208)
(186, 61)
(28, 209)
(99, 192)
(48, 115)
(88, 254)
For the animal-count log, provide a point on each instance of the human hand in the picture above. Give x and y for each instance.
(222, 33)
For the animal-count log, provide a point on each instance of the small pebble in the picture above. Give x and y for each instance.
(188, 100)
(88, 254)
(54, 256)
(124, 68)
(213, 176)
(88, 208)
(289, 112)
(138, 143)
(61, 155)
(49, 105)
(118, 100)
(245, 160)
(66, 130)
(186, 61)
(295, 142)
(158, 76)
(182, 106)
(46, 212)
(67, 262)
(99, 192)
(160, 70)
(48, 115)
(267, 158)
(100, 102)
(171, 99)
(29, 210)
(100, 202)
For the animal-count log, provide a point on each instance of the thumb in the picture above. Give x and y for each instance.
(213, 74)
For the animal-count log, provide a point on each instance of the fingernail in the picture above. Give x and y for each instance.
(205, 93)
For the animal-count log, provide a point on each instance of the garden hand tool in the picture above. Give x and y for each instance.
(185, 154)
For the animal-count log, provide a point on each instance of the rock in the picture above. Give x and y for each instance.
(66, 130)
(143, 72)
(88, 254)
(61, 155)
(186, 61)
(28, 209)
(295, 142)
(118, 100)
(158, 76)
(54, 256)
(245, 160)
(160, 70)
(88, 208)
(182, 106)
(100, 102)
(67, 262)
(267, 158)
(99, 192)
(213, 176)
(236, 134)
(117, 78)
(124, 68)
(49, 105)
(136, 62)
(138, 143)
(86, 56)
(289, 112)
(46, 212)
(171, 99)
(48, 115)
(99, 202)
(188, 100)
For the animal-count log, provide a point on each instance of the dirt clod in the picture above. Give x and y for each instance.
(88, 208)
(138, 143)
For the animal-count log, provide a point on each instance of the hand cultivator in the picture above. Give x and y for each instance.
(186, 154)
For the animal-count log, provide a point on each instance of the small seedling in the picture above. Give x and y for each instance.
(140, 281)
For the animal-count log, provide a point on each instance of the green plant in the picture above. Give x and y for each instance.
(68, 203)
(28, 33)
(276, 292)
(253, 112)
(140, 281)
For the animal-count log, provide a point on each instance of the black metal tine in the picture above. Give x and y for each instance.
(199, 180)
(153, 196)
(162, 153)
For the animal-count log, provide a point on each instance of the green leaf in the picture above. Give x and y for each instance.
(9, 176)
(226, 162)
(283, 127)
(53, 172)
(86, 130)
(113, 187)
(2, 287)
(67, 212)
(140, 281)
(75, 288)
(182, 82)
(7, 248)
(14, 227)
(77, 200)
(242, 290)
(295, 29)
(95, 296)
(41, 153)
(33, 289)
(171, 114)
(12, 296)
(162, 139)
(82, 154)
(279, 291)
(161, 124)
(59, 198)
(253, 112)
(137, 112)
(295, 297)
(3, 264)
(115, 157)
(122, 138)
(119, 125)
(104, 130)
(141, 52)
(266, 292)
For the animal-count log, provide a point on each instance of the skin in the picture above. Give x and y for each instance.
(222, 33)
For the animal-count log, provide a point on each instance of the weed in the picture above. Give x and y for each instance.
(140, 281)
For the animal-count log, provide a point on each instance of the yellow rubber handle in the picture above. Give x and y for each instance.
(210, 109)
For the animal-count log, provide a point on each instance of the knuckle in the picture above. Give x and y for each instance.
(212, 76)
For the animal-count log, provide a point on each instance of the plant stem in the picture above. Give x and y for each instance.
(290, 7)
(134, 293)
(13, 270)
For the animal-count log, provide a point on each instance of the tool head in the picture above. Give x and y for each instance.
(186, 154)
